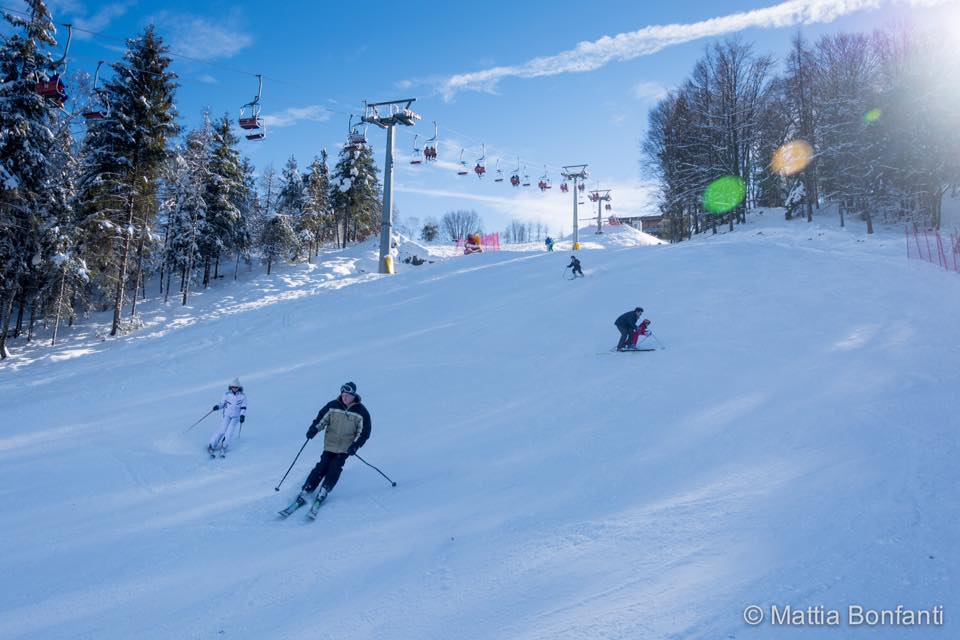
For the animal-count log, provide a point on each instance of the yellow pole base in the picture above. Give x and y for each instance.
(388, 264)
(576, 246)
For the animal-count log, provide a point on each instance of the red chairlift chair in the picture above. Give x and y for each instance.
(250, 119)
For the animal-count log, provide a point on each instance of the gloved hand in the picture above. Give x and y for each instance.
(352, 451)
(312, 431)
(242, 418)
(216, 407)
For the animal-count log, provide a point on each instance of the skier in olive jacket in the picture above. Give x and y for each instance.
(346, 423)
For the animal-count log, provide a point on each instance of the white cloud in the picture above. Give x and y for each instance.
(295, 115)
(206, 78)
(588, 56)
(100, 20)
(649, 91)
(196, 37)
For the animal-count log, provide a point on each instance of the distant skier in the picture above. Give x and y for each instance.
(347, 425)
(627, 324)
(549, 243)
(577, 271)
(233, 409)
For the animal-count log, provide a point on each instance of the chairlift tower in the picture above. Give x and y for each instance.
(575, 172)
(600, 196)
(396, 112)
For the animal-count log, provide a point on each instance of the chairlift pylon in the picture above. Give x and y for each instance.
(104, 111)
(250, 119)
(52, 88)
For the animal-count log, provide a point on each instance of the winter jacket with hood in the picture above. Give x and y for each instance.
(343, 425)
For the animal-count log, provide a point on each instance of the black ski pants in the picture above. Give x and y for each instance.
(625, 334)
(328, 470)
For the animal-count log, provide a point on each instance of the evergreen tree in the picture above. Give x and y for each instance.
(355, 195)
(126, 155)
(225, 193)
(277, 239)
(26, 139)
(187, 214)
(290, 204)
(317, 217)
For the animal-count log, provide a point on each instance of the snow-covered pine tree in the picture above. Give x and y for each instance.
(26, 138)
(224, 193)
(66, 271)
(277, 239)
(317, 217)
(187, 209)
(249, 206)
(126, 156)
(355, 194)
(290, 202)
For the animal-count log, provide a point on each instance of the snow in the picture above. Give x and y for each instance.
(795, 443)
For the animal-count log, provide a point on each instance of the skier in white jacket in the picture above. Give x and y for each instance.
(233, 409)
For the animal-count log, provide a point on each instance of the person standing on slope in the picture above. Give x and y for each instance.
(627, 324)
(233, 409)
(577, 271)
(346, 423)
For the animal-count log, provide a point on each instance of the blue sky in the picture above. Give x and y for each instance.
(510, 75)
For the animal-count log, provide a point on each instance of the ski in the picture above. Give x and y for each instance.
(625, 351)
(296, 504)
(315, 508)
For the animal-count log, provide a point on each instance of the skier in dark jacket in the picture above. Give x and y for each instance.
(347, 425)
(627, 324)
(576, 266)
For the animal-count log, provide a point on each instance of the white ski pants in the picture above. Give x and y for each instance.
(224, 435)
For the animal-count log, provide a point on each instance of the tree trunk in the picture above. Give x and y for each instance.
(206, 272)
(18, 328)
(33, 318)
(166, 289)
(216, 268)
(7, 312)
(122, 272)
(269, 263)
(186, 282)
(137, 278)
(236, 269)
(936, 207)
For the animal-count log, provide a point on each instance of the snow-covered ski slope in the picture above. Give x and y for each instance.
(794, 444)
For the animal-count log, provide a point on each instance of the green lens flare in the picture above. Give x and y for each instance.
(872, 116)
(724, 194)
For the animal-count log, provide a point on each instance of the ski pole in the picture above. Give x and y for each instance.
(199, 421)
(392, 483)
(658, 340)
(277, 488)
